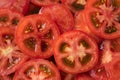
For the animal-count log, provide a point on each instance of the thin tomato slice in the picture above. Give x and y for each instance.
(60, 15)
(10, 55)
(102, 17)
(35, 35)
(38, 69)
(75, 52)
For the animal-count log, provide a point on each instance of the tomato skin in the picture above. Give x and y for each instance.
(20, 74)
(11, 57)
(73, 37)
(64, 21)
(101, 18)
(44, 3)
(42, 30)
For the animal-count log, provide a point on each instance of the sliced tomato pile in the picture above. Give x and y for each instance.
(59, 39)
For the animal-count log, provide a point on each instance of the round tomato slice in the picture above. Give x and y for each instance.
(103, 18)
(35, 37)
(44, 2)
(60, 15)
(10, 55)
(75, 52)
(9, 18)
(83, 76)
(75, 5)
(38, 69)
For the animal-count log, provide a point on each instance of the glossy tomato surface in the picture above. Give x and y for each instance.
(60, 15)
(9, 18)
(102, 17)
(35, 35)
(10, 55)
(75, 52)
(38, 69)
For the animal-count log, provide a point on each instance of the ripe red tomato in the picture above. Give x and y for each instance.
(83, 76)
(10, 55)
(75, 5)
(102, 17)
(44, 2)
(75, 52)
(38, 69)
(9, 18)
(60, 15)
(35, 35)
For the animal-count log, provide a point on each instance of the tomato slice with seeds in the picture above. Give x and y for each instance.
(10, 55)
(102, 17)
(75, 5)
(35, 37)
(75, 52)
(9, 18)
(38, 69)
(61, 15)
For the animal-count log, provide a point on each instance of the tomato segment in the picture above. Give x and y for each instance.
(103, 18)
(75, 50)
(35, 38)
(38, 69)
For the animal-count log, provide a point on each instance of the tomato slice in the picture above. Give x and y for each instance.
(35, 37)
(110, 58)
(102, 17)
(61, 15)
(38, 69)
(75, 52)
(44, 2)
(20, 6)
(10, 55)
(83, 76)
(75, 5)
(9, 18)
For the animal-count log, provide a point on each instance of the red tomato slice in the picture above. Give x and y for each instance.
(44, 2)
(83, 76)
(102, 17)
(61, 15)
(110, 58)
(10, 55)
(75, 52)
(75, 5)
(9, 18)
(20, 6)
(38, 69)
(35, 37)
